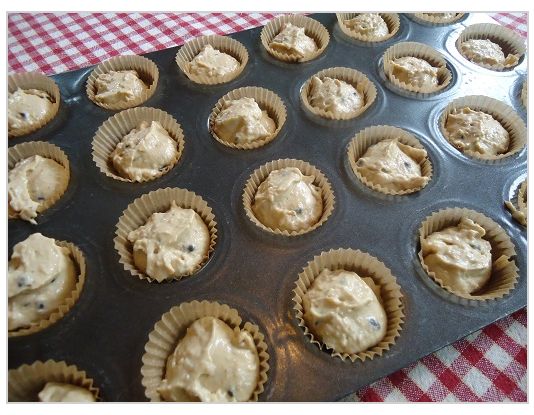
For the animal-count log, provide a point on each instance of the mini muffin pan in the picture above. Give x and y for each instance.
(255, 271)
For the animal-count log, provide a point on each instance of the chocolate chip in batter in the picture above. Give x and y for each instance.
(230, 393)
(40, 306)
(22, 281)
(298, 211)
(384, 170)
(375, 324)
(407, 165)
(190, 248)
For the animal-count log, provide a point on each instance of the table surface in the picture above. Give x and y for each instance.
(488, 365)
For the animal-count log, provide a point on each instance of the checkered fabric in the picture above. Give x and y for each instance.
(489, 365)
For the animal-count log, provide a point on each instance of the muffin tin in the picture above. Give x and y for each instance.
(255, 271)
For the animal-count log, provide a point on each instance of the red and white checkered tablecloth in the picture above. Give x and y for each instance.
(489, 365)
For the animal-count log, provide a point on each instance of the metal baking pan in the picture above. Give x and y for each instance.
(250, 270)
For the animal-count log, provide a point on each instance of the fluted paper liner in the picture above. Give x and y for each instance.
(266, 100)
(25, 382)
(260, 174)
(113, 130)
(351, 76)
(524, 94)
(138, 212)
(172, 327)
(391, 19)
(146, 70)
(437, 20)
(79, 261)
(504, 272)
(501, 112)
(34, 80)
(312, 28)
(224, 44)
(43, 149)
(517, 206)
(421, 51)
(364, 265)
(509, 41)
(373, 135)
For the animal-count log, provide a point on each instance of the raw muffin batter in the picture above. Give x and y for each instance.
(32, 182)
(116, 87)
(288, 200)
(393, 165)
(335, 96)
(170, 244)
(476, 132)
(293, 40)
(459, 256)
(212, 62)
(487, 52)
(41, 276)
(144, 152)
(212, 363)
(368, 24)
(64, 392)
(442, 16)
(27, 108)
(344, 311)
(242, 121)
(416, 72)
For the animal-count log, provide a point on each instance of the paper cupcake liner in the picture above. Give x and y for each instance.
(261, 173)
(501, 112)
(524, 94)
(421, 51)
(44, 149)
(79, 260)
(437, 20)
(504, 272)
(266, 100)
(113, 130)
(146, 70)
(138, 212)
(357, 79)
(224, 44)
(312, 28)
(25, 382)
(372, 135)
(364, 265)
(507, 39)
(391, 19)
(34, 80)
(172, 328)
(518, 205)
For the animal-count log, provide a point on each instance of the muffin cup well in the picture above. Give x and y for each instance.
(34, 80)
(147, 71)
(364, 265)
(266, 100)
(351, 76)
(312, 28)
(437, 20)
(172, 327)
(391, 19)
(504, 272)
(260, 174)
(224, 44)
(501, 112)
(113, 130)
(373, 135)
(138, 212)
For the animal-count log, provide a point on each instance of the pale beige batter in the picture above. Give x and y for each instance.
(212, 62)
(27, 108)
(288, 200)
(212, 363)
(344, 311)
(368, 24)
(65, 392)
(116, 87)
(416, 72)
(442, 16)
(170, 244)
(335, 96)
(293, 40)
(487, 52)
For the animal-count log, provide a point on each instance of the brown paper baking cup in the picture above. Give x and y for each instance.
(224, 44)
(79, 260)
(312, 28)
(504, 272)
(391, 19)
(266, 100)
(138, 212)
(501, 112)
(364, 265)
(34, 80)
(351, 76)
(522, 195)
(524, 94)
(260, 174)
(172, 328)
(437, 20)
(146, 70)
(517, 206)
(372, 135)
(509, 41)
(113, 130)
(44, 149)
(421, 51)
(25, 382)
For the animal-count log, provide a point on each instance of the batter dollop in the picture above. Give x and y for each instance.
(335, 96)
(64, 392)
(294, 41)
(487, 52)
(212, 62)
(368, 24)
(115, 87)
(416, 72)
(27, 108)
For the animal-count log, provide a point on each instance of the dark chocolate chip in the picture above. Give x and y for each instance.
(21, 281)
(375, 324)
(190, 248)
(383, 169)
(407, 165)
(40, 306)
(298, 211)
(40, 198)
(230, 393)
(23, 115)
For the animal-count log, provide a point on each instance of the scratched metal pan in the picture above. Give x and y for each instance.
(105, 332)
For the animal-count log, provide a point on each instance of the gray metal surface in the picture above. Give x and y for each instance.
(105, 332)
